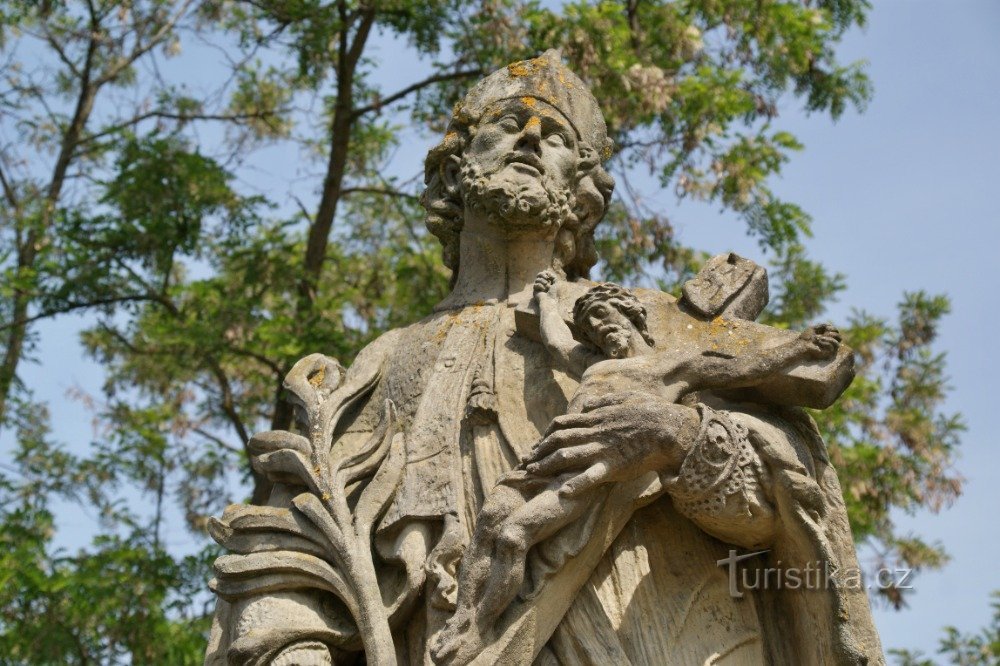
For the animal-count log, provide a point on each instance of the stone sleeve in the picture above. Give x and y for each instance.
(721, 485)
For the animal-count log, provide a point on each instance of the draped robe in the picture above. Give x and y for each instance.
(658, 594)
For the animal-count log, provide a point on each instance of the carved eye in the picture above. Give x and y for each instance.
(556, 139)
(509, 123)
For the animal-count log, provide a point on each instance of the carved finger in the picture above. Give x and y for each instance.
(833, 337)
(567, 459)
(827, 345)
(607, 400)
(590, 478)
(828, 330)
(544, 280)
(572, 421)
(562, 438)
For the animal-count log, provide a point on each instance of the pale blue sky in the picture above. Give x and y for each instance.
(904, 197)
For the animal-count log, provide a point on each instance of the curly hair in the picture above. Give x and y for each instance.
(619, 298)
(575, 252)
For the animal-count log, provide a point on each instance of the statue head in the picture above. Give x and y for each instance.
(525, 147)
(609, 315)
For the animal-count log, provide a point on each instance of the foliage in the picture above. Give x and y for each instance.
(135, 195)
(982, 649)
(123, 599)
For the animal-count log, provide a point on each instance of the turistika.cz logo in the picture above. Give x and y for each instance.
(816, 575)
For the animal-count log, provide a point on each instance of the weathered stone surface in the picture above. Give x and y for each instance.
(815, 383)
(727, 285)
(548, 469)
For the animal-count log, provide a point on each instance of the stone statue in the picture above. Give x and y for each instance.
(548, 470)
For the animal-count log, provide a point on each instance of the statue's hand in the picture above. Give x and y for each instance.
(616, 437)
(821, 341)
(545, 283)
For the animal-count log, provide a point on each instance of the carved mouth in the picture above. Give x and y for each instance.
(527, 163)
(608, 329)
(614, 336)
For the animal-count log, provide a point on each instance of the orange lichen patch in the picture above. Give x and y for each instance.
(533, 121)
(440, 334)
(520, 68)
(317, 378)
(562, 78)
(718, 326)
(527, 67)
(554, 113)
(460, 113)
(529, 101)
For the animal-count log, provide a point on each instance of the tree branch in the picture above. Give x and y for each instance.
(262, 486)
(395, 97)
(28, 249)
(360, 38)
(8, 188)
(70, 139)
(340, 139)
(379, 190)
(60, 52)
(182, 117)
(271, 365)
(70, 307)
(141, 49)
(219, 441)
(228, 403)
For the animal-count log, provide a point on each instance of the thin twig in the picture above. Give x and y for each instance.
(395, 97)
(71, 307)
(389, 192)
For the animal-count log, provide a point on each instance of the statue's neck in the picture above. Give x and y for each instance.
(496, 267)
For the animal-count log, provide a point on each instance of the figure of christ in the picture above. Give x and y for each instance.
(529, 505)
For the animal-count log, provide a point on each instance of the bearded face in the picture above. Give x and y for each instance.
(520, 166)
(609, 329)
(514, 198)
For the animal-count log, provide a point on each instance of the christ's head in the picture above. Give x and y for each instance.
(613, 319)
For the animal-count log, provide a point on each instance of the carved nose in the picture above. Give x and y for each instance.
(531, 137)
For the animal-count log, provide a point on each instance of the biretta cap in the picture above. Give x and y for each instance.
(547, 79)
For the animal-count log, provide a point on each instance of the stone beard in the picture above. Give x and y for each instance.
(616, 339)
(512, 197)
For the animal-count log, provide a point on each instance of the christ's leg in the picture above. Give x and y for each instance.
(538, 519)
(462, 637)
